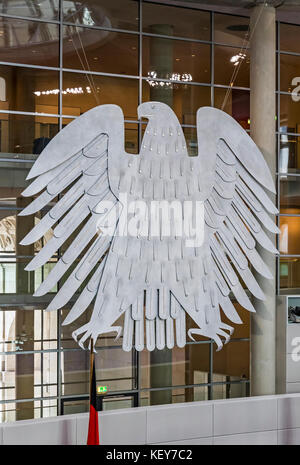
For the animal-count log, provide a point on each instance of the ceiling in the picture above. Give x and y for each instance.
(287, 10)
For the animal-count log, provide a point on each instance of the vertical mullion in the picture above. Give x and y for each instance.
(212, 59)
(278, 153)
(42, 361)
(140, 15)
(58, 334)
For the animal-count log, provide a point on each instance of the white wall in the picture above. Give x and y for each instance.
(256, 420)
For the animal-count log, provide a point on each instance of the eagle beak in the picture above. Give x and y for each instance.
(143, 111)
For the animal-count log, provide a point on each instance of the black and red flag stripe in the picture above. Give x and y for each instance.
(93, 433)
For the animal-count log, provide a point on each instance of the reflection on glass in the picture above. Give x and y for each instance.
(289, 272)
(227, 61)
(289, 114)
(175, 60)
(289, 194)
(114, 369)
(184, 22)
(289, 154)
(289, 70)
(175, 396)
(236, 103)
(31, 42)
(97, 50)
(232, 362)
(290, 228)
(26, 375)
(289, 38)
(28, 89)
(233, 30)
(230, 390)
(98, 90)
(43, 9)
(185, 100)
(23, 137)
(121, 14)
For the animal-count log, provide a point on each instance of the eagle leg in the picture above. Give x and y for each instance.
(90, 331)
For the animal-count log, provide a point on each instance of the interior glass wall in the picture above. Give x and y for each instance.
(58, 60)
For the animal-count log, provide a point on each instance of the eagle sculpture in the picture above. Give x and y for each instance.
(153, 280)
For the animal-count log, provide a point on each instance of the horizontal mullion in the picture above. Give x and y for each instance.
(30, 18)
(101, 28)
(26, 65)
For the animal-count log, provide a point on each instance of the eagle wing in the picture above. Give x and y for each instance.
(237, 209)
(74, 167)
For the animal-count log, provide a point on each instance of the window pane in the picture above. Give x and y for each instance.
(181, 22)
(289, 154)
(289, 237)
(290, 194)
(227, 61)
(185, 99)
(114, 369)
(43, 9)
(236, 103)
(230, 390)
(289, 69)
(97, 90)
(23, 134)
(289, 114)
(121, 14)
(289, 271)
(174, 396)
(289, 38)
(175, 367)
(233, 30)
(31, 42)
(28, 89)
(232, 362)
(176, 60)
(97, 50)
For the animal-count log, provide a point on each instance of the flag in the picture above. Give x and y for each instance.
(93, 433)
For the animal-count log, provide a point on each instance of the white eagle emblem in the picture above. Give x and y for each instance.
(154, 280)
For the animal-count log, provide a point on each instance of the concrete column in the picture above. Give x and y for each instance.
(262, 124)
(161, 61)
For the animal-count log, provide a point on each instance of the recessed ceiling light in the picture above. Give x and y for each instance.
(177, 59)
(193, 55)
(96, 58)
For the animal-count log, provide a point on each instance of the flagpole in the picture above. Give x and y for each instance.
(93, 429)
(92, 357)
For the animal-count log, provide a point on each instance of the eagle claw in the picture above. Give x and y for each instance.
(90, 332)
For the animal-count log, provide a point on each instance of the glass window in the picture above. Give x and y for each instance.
(289, 272)
(236, 103)
(232, 362)
(29, 89)
(289, 233)
(99, 50)
(180, 22)
(185, 99)
(176, 60)
(290, 194)
(97, 90)
(289, 70)
(24, 135)
(121, 14)
(289, 154)
(289, 114)
(232, 30)
(43, 9)
(31, 42)
(232, 67)
(289, 38)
